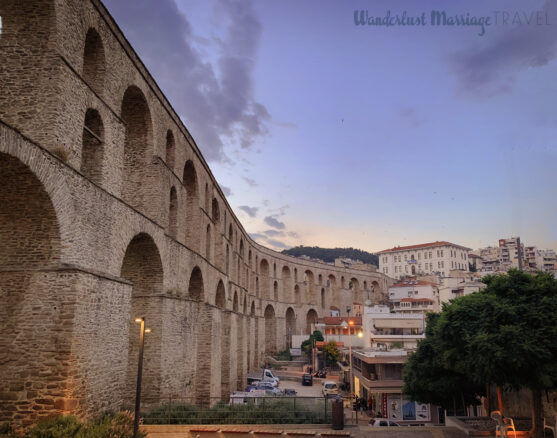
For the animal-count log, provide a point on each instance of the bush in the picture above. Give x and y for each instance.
(118, 425)
(267, 411)
(284, 355)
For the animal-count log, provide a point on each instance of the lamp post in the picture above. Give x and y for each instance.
(349, 326)
(142, 331)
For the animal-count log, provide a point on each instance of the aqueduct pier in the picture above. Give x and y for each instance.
(108, 211)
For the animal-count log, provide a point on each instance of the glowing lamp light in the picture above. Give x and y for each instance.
(138, 319)
(351, 322)
(147, 330)
(360, 334)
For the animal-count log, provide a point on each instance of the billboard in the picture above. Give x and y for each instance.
(399, 408)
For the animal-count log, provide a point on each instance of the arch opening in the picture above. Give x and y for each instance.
(94, 61)
(92, 146)
(270, 330)
(138, 142)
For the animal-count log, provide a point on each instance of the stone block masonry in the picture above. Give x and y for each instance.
(108, 211)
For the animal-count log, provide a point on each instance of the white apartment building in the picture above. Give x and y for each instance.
(384, 330)
(414, 296)
(423, 259)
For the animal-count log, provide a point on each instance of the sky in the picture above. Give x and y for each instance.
(324, 132)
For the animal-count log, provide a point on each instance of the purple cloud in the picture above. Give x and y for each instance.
(272, 221)
(492, 69)
(250, 211)
(215, 100)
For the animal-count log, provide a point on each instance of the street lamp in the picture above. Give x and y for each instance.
(142, 331)
(349, 325)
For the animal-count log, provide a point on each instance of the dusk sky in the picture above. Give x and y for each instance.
(326, 133)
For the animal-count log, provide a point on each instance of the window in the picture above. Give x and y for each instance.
(429, 254)
(405, 268)
(419, 256)
(441, 253)
(452, 265)
(405, 257)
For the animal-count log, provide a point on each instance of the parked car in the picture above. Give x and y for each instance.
(289, 392)
(382, 422)
(307, 380)
(329, 388)
(268, 386)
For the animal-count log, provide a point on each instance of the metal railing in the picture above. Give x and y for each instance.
(241, 410)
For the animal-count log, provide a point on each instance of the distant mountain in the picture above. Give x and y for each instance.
(329, 255)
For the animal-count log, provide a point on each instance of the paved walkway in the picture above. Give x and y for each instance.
(298, 431)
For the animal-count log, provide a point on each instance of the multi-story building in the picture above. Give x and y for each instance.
(505, 256)
(458, 284)
(425, 258)
(414, 296)
(388, 340)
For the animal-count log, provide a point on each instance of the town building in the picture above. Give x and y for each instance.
(377, 368)
(459, 284)
(505, 256)
(414, 296)
(425, 258)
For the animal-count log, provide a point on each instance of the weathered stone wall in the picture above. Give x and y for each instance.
(109, 212)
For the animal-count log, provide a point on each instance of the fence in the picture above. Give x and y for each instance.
(242, 410)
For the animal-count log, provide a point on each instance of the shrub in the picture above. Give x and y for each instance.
(284, 355)
(118, 425)
(266, 411)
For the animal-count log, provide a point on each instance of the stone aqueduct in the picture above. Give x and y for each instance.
(109, 211)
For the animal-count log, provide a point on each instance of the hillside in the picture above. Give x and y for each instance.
(329, 255)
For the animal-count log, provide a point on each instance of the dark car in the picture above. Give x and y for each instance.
(307, 380)
(289, 392)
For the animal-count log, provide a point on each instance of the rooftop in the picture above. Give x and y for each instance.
(421, 246)
(337, 320)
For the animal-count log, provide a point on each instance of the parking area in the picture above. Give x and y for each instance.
(314, 390)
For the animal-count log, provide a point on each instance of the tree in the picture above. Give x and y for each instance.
(331, 353)
(503, 335)
(309, 343)
(428, 380)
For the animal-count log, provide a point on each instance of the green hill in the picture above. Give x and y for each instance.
(329, 255)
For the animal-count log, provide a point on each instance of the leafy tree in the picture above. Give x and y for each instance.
(318, 336)
(331, 353)
(504, 335)
(329, 255)
(308, 344)
(428, 380)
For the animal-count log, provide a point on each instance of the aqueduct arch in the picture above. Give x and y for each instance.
(142, 267)
(30, 237)
(311, 320)
(270, 330)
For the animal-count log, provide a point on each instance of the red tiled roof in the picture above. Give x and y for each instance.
(414, 283)
(337, 320)
(421, 245)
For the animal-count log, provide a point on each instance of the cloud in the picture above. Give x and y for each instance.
(262, 239)
(492, 69)
(251, 182)
(278, 244)
(409, 116)
(215, 99)
(250, 211)
(273, 233)
(273, 222)
(227, 192)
